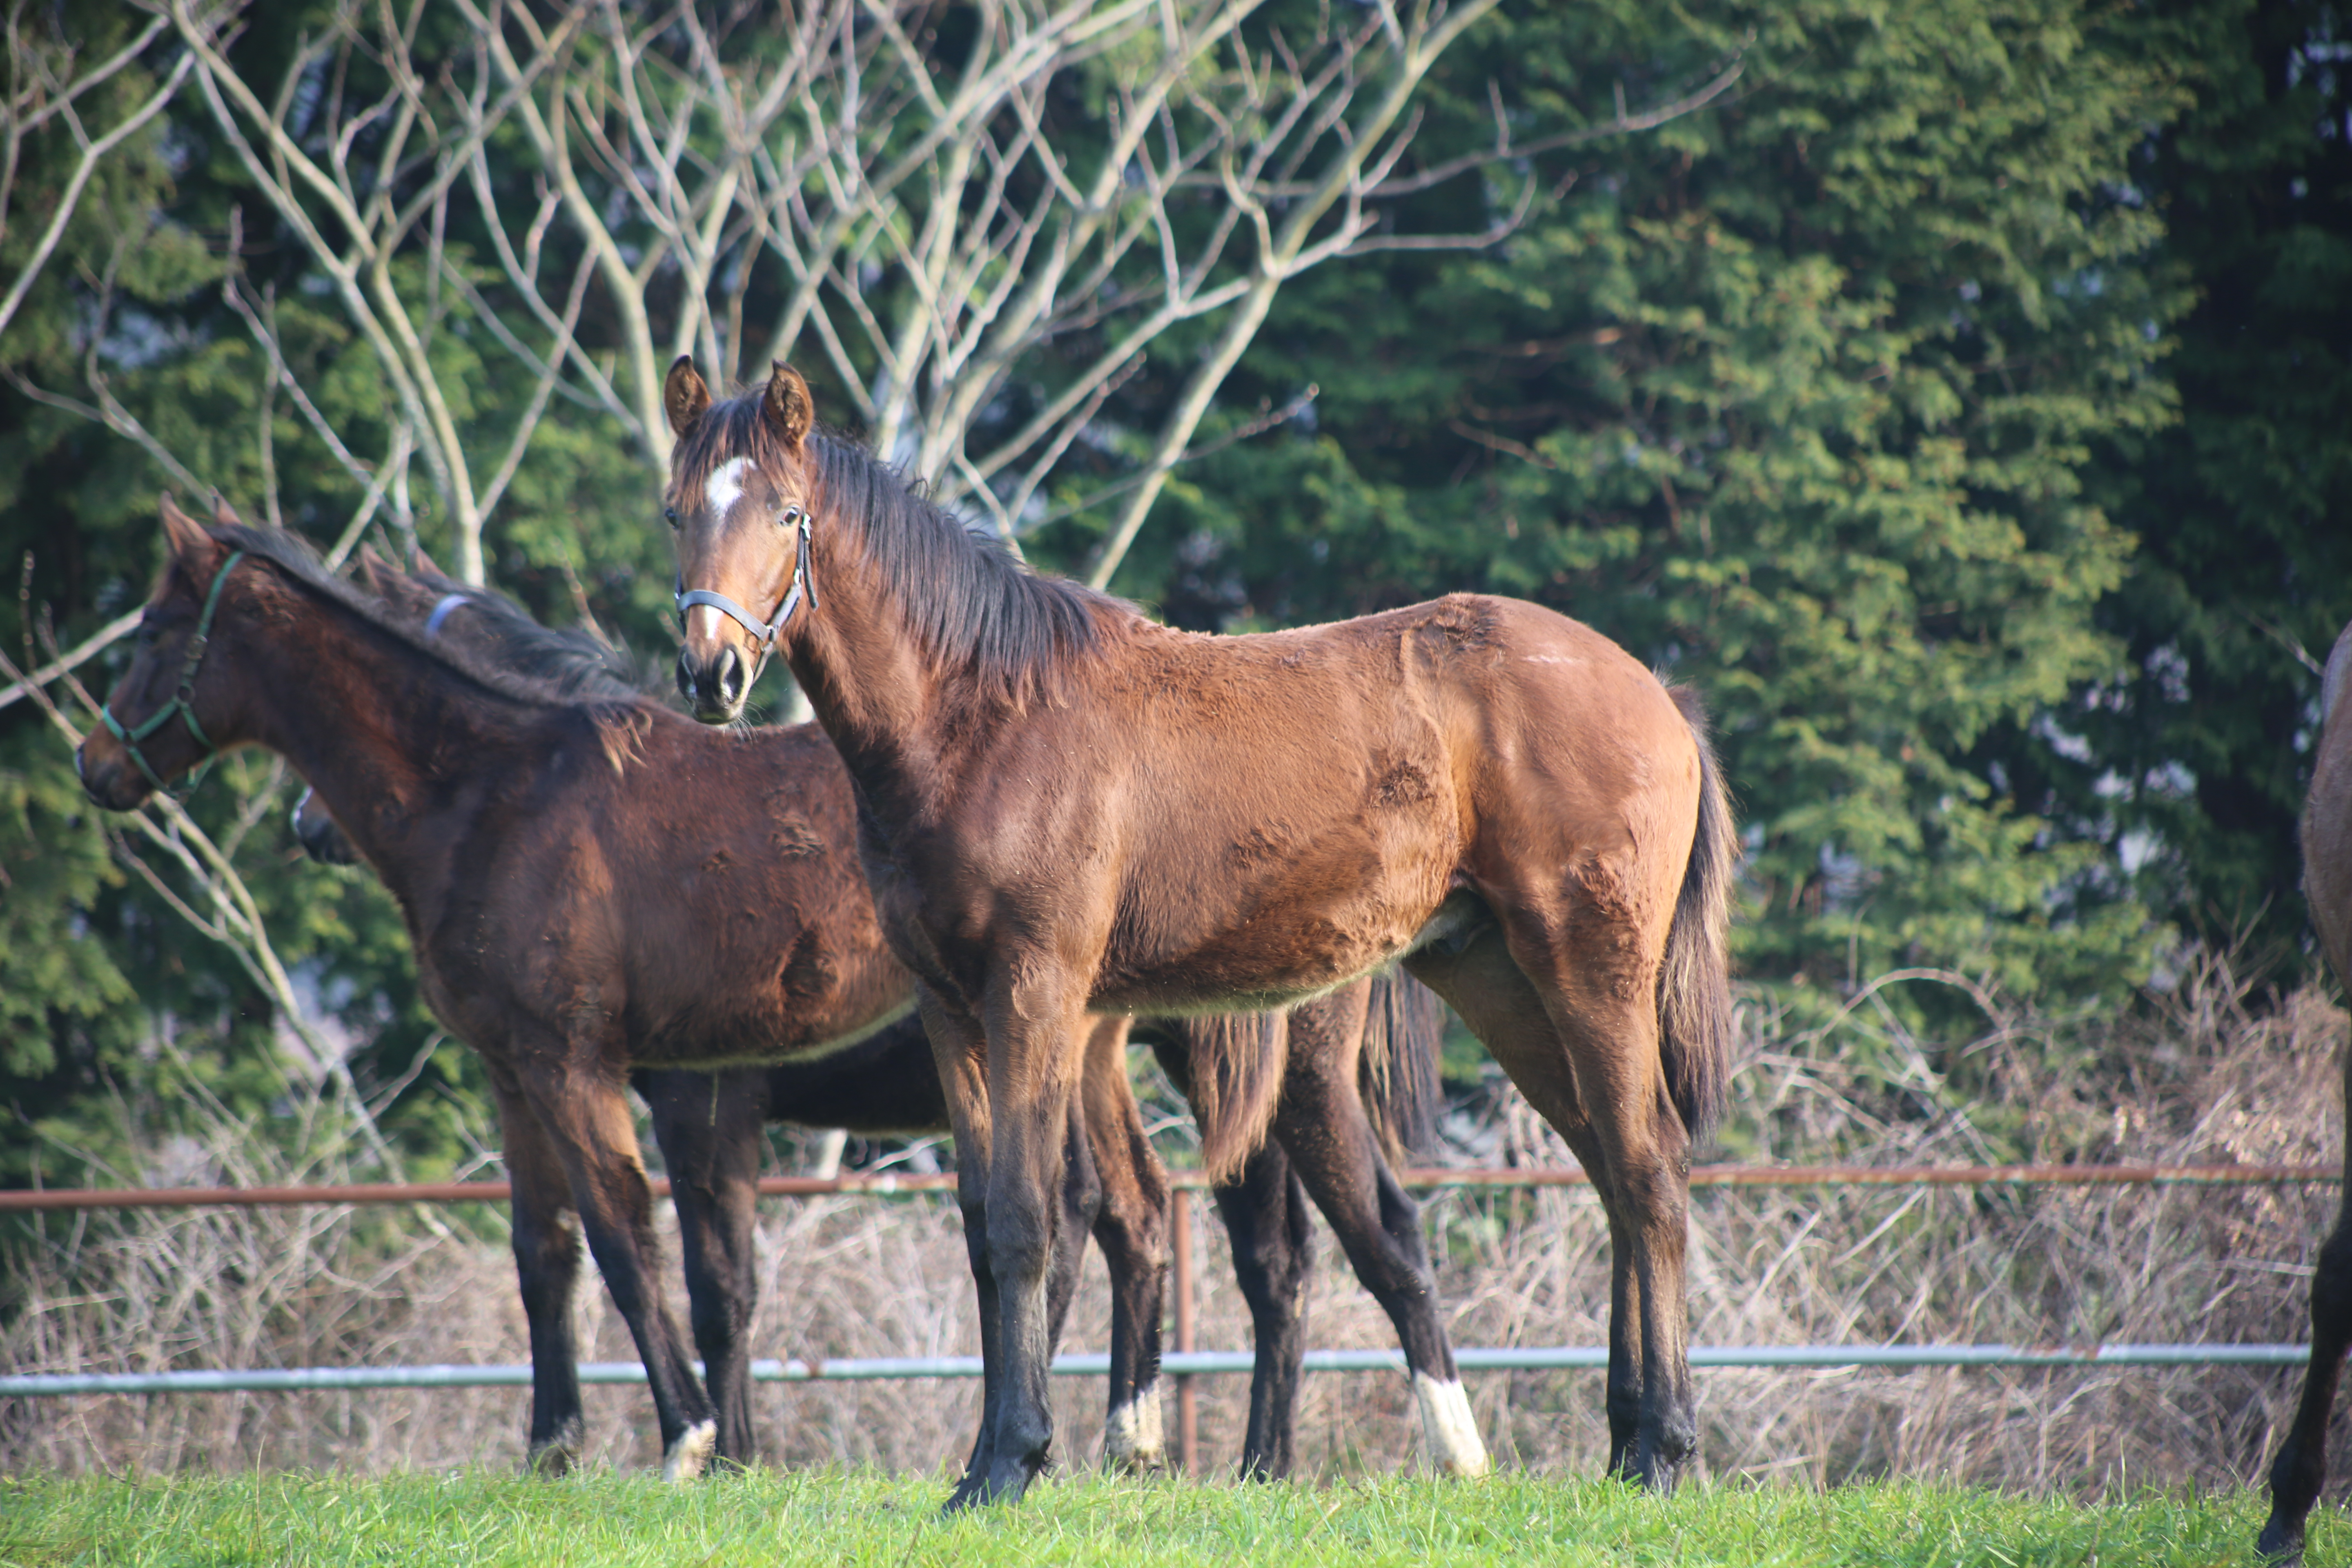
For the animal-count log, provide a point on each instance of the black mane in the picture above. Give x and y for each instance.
(546, 667)
(565, 661)
(968, 600)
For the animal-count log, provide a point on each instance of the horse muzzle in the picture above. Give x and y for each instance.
(714, 685)
(107, 776)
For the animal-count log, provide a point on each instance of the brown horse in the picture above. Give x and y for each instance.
(541, 866)
(1380, 1036)
(2301, 1468)
(1065, 809)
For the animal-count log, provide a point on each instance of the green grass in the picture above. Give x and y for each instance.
(588, 1523)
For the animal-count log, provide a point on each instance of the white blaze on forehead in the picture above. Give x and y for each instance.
(725, 486)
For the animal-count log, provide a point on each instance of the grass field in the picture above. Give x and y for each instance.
(863, 1518)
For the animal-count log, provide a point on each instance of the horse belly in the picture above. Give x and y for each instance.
(1277, 948)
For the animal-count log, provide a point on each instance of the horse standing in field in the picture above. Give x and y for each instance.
(518, 819)
(1380, 1036)
(2301, 1468)
(1065, 809)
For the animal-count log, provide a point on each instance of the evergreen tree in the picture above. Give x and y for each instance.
(1797, 397)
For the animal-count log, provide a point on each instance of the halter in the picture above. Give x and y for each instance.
(441, 610)
(804, 584)
(182, 703)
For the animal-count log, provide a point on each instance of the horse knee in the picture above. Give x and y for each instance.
(1019, 1248)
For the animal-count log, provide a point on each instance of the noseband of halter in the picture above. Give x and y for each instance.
(803, 587)
(183, 703)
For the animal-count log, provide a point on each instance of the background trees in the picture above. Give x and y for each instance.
(1952, 393)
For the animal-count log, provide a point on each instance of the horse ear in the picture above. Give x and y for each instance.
(788, 407)
(427, 567)
(188, 539)
(684, 397)
(224, 514)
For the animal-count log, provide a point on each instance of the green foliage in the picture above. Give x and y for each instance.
(2194, 753)
(1800, 397)
(1956, 403)
(863, 1518)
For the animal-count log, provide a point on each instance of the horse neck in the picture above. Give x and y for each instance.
(873, 690)
(364, 717)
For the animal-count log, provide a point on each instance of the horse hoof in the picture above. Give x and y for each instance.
(556, 1458)
(2281, 1544)
(1134, 1438)
(691, 1452)
(1447, 1426)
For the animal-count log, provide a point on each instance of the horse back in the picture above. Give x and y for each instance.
(1300, 803)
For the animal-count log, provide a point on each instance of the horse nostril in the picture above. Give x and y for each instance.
(731, 677)
(685, 677)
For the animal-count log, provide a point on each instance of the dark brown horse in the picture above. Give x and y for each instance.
(1380, 1036)
(1065, 809)
(2301, 1468)
(453, 772)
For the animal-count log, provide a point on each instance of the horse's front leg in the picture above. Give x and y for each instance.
(577, 1091)
(1131, 1228)
(1037, 1031)
(547, 1271)
(959, 1050)
(709, 1128)
(2300, 1470)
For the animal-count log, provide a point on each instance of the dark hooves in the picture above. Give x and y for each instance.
(2281, 1545)
(1005, 1484)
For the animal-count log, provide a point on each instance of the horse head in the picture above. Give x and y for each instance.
(739, 494)
(168, 711)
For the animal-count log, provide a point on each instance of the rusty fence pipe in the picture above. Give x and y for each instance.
(885, 1183)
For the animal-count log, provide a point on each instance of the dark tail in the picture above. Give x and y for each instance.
(1695, 981)
(1237, 1060)
(1397, 1074)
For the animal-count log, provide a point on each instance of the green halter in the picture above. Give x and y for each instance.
(181, 703)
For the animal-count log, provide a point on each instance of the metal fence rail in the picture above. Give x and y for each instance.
(1184, 1362)
(889, 1184)
(1180, 1363)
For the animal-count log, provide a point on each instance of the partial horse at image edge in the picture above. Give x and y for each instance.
(2300, 1472)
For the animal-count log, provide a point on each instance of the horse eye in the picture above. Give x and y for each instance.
(669, 514)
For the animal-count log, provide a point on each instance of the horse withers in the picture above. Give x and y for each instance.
(2301, 1468)
(1065, 809)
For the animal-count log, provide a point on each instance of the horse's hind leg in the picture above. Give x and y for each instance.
(710, 1127)
(1082, 1200)
(1321, 1125)
(1632, 1145)
(1264, 1211)
(1132, 1231)
(588, 1117)
(2301, 1468)
(1265, 1216)
(547, 1271)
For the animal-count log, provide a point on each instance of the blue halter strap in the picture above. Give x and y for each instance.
(183, 703)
